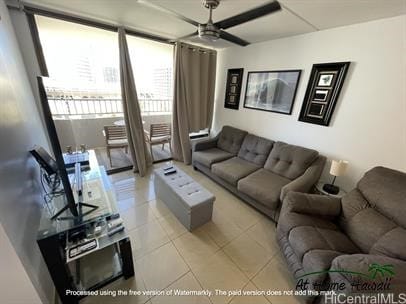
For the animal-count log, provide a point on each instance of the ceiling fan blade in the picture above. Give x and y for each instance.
(188, 36)
(249, 15)
(234, 39)
(168, 11)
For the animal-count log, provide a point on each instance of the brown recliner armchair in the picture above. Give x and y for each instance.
(360, 238)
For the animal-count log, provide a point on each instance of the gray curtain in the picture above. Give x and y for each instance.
(132, 113)
(193, 99)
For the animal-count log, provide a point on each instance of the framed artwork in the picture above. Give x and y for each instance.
(272, 91)
(233, 88)
(323, 89)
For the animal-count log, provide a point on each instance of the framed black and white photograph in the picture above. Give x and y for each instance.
(272, 91)
(323, 89)
(233, 88)
(320, 95)
(325, 80)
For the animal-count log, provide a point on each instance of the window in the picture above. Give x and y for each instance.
(110, 74)
(152, 64)
(83, 64)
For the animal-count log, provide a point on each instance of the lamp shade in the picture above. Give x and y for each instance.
(338, 167)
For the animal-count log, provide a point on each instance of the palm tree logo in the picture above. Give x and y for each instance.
(383, 270)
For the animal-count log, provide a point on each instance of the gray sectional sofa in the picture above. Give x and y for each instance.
(258, 170)
(366, 227)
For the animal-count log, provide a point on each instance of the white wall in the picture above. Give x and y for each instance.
(21, 197)
(15, 286)
(368, 127)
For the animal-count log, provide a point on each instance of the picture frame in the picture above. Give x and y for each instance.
(322, 92)
(233, 88)
(272, 91)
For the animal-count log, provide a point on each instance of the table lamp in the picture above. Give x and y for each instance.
(338, 168)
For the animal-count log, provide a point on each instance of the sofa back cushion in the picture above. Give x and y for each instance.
(255, 149)
(362, 223)
(373, 215)
(391, 244)
(289, 161)
(385, 191)
(231, 139)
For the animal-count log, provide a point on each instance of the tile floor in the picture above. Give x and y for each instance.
(236, 250)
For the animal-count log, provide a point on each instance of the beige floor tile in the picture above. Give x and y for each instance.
(158, 208)
(220, 229)
(121, 176)
(219, 272)
(212, 186)
(127, 203)
(238, 212)
(134, 283)
(146, 238)
(161, 267)
(246, 237)
(196, 247)
(172, 226)
(137, 216)
(146, 193)
(249, 296)
(144, 182)
(275, 276)
(247, 254)
(188, 283)
(264, 232)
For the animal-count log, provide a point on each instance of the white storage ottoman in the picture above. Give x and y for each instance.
(191, 203)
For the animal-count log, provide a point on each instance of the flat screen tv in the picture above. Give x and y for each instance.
(56, 147)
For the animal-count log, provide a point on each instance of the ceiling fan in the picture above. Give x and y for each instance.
(213, 31)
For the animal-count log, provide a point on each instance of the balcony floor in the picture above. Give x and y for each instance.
(120, 159)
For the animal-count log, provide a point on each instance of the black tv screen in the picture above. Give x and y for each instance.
(56, 147)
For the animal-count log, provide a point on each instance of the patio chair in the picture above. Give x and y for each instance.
(116, 138)
(159, 134)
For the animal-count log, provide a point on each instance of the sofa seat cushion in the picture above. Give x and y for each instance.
(233, 169)
(231, 139)
(290, 161)
(211, 156)
(303, 239)
(255, 149)
(263, 186)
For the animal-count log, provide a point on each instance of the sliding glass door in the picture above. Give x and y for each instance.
(152, 64)
(84, 92)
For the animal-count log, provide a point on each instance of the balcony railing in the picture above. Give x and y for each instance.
(90, 106)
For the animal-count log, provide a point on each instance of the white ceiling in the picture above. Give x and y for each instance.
(296, 16)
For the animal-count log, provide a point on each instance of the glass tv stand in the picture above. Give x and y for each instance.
(110, 259)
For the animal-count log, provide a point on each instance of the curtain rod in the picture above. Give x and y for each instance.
(36, 10)
(197, 48)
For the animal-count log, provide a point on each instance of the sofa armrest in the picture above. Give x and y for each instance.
(205, 144)
(359, 268)
(311, 204)
(307, 180)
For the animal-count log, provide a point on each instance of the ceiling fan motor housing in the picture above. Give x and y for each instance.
(209, 32)
(211, 3)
